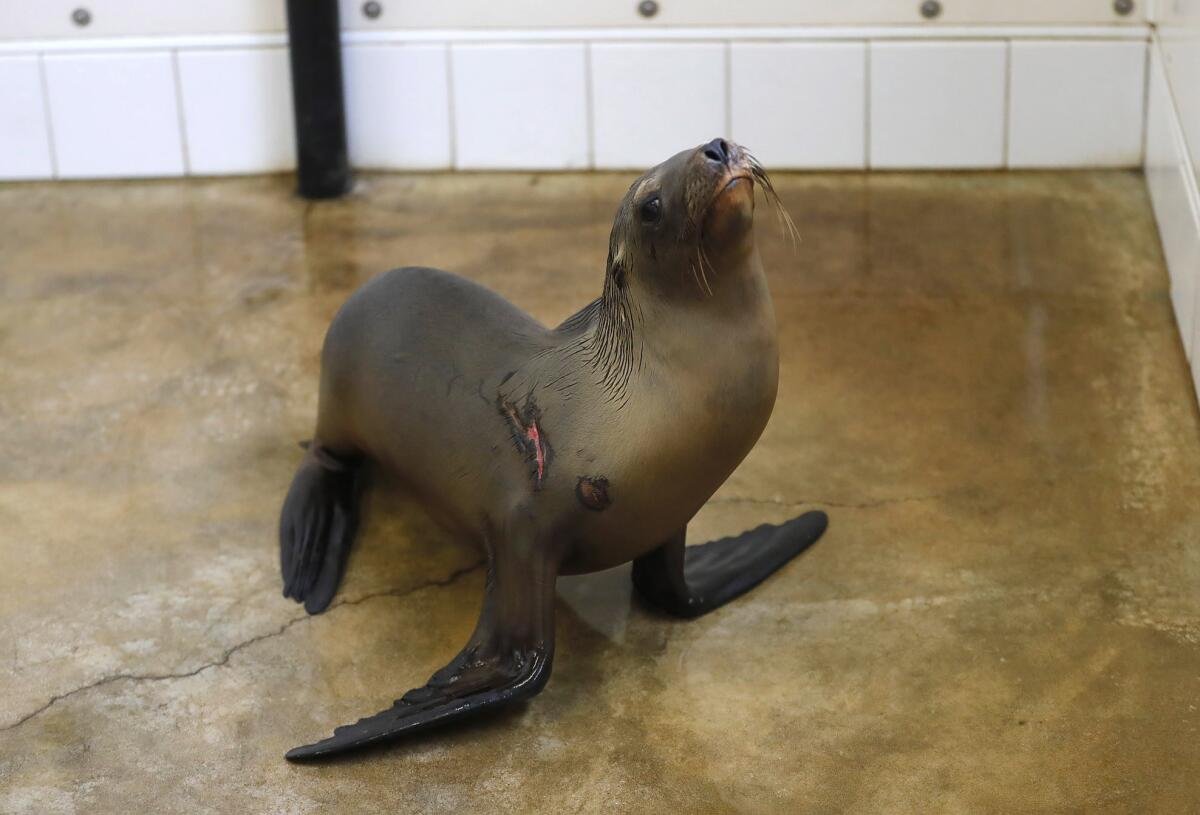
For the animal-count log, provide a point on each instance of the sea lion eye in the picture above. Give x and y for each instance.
(651, 210)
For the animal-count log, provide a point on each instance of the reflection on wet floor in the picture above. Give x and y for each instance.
(981, 383)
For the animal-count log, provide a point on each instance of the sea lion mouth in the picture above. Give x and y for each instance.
(736, 181)
(728, 213)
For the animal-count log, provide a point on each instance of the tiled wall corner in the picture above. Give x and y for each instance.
(114, 115)
(651, 100)
(1076, 104)
(237, 110)
(398, 106)
(800, 105)
(520, 106)
(937, 104)
(1174, 197)
(24, 137)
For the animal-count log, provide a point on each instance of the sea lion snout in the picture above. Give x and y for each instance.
(721, 157)
(729, 208)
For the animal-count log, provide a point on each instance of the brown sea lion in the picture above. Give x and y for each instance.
(559, 450)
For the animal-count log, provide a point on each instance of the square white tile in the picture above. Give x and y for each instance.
(114, 115)
(937, 104)
(237, 110)
(397, 106)
(520, 106)
(800, 104)
(1167, 178)
(651, 100)
(1076, 104)
(1179, 46)
(24, 139)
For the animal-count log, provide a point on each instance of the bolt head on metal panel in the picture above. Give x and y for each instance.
(931, 9)
(648, 8)
(81, 17)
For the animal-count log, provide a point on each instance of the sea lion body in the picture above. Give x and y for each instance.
(691, 412)
(558, 450)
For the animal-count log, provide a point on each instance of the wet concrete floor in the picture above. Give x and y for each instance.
(981, 383)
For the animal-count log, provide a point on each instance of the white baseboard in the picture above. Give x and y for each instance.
(1171, 179)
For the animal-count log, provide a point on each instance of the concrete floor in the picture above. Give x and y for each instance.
(981, 383)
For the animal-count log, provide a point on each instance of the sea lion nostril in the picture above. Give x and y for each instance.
(717, 150)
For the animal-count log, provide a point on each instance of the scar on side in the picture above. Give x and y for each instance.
(592, 492)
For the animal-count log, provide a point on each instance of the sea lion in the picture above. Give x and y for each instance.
(559, 450)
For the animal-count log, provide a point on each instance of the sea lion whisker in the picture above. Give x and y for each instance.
(695, 276)
(699, 264)
(771, 195)
(703, 259)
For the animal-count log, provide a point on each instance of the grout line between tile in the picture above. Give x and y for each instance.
(179, 117)
(589, 105)
(41, 63)
(727, 55)
(867, 104)
(1007, 124)
(1146, 65)
(451, 102)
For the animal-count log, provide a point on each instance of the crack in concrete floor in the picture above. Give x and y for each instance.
(229, 652)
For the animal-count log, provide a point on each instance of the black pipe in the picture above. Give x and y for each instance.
(314, 44)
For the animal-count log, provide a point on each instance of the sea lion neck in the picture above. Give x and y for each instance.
(632, 327)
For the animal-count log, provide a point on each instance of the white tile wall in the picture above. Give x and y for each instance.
(114, 115)
(800, 104)
(651, 100)
(237, 110)
(927, 103)
(520, 106)
(24, 140)
(398, 106)
(1174, 199)
(1076, 104)
(937, 104)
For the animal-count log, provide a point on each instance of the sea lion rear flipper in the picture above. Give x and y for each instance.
(689, 581)
(316, 528)
(508, 659)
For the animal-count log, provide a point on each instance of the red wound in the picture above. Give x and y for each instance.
(539, 453)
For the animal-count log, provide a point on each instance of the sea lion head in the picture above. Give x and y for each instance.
(695, 211)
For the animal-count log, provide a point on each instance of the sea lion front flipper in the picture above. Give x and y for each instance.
(689, 581)
(508, 659)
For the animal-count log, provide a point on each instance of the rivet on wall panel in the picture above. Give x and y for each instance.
(81, 17)
(1123, 7)
(647, 8)
(372, 10)
(931, 9)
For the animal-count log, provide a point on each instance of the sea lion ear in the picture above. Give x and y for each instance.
(616, 267)
(618, 274)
